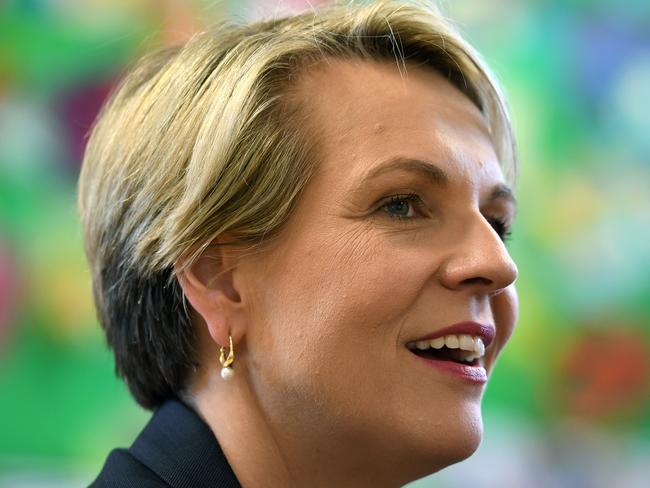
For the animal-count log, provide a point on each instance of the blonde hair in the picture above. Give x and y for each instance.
(206, 140)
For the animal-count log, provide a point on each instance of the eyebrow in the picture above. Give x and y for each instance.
(503, 191)
(426, 169)
(433, 174)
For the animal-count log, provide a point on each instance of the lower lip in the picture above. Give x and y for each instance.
(473, 374)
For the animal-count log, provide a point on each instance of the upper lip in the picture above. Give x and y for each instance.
(485, 331)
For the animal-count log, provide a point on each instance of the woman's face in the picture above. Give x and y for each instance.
(396, 237)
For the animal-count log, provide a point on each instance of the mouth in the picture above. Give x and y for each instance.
(463, 349)
(458, 349)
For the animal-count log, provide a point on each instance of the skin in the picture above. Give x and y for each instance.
(325, 392)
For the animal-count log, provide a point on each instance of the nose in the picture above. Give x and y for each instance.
(478, 261)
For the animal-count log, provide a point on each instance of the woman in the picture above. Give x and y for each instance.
(296, 235)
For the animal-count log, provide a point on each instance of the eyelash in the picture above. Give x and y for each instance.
(500, 226)
(411, 198)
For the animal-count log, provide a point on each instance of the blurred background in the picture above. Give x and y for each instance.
(569, 402)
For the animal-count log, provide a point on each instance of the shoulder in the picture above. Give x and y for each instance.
(122, 470)
(175, 449)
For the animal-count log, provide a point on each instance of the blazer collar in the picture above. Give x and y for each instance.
(179, 447)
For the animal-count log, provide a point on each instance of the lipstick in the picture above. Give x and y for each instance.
(438, 355)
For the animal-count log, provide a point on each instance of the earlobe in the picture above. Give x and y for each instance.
(209, 286)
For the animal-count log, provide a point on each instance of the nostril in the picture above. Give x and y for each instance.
(478, 280)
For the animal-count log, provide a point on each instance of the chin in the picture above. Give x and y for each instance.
(466, 443)
(457, 441)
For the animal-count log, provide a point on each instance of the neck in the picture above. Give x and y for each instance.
(263, 453)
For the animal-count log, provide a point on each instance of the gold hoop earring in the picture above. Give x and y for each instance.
(226, 370)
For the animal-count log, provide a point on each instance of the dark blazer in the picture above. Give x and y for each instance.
(176, 449)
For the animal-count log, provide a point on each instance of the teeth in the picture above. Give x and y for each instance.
(472, 344)
(479, 347)
(452, 341)
(466, 343)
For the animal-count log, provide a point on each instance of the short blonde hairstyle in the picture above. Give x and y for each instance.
(206, 140)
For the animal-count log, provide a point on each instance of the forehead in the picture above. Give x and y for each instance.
(364, 112)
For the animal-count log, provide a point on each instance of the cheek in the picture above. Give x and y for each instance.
(505, 308)
(334, 303)
(355, 287)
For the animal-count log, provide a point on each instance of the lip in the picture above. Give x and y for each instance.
(472, 374)
(484, 331)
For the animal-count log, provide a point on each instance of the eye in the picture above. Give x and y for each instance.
(501, 227)
(403, 207)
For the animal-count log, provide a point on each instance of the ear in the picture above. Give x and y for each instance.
(210, 285)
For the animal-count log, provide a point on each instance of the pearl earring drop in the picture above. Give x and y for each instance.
(226, 371)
